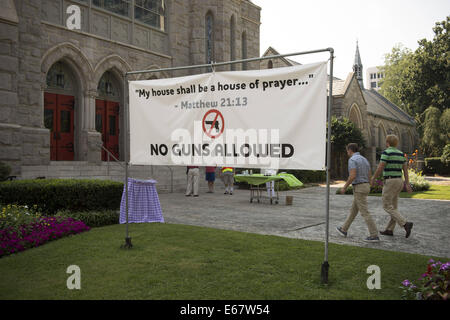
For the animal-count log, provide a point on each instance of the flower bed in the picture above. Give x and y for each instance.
(16, 236)
(432, 285)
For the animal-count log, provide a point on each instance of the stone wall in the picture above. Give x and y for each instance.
(10, 132)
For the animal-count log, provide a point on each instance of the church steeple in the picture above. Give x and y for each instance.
(358, 67)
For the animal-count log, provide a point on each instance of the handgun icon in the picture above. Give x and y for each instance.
(216, 124)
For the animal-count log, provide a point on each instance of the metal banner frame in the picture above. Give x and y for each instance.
(325, 265)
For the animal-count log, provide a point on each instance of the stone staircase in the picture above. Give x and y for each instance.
(169, 178)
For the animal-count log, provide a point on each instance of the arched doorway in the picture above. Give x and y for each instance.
(59, 111)
(107, 114)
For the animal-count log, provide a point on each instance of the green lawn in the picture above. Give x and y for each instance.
(184, 262)
(436, 192)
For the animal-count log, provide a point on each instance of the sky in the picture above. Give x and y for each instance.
(291, 26)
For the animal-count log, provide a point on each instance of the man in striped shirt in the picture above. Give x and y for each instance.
(392, 163)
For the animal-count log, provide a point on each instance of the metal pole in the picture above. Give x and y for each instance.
(127, 244)
(214, 64)
(325, 265)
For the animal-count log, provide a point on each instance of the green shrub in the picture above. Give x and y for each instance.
(446, 154)
(93, 218)
(308, 176)
(5, 170)
(63, 194)
(436, 166)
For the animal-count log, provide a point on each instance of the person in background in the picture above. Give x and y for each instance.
(193, 174)
(228, 179)
(210, 177)
(271, 184)
(359, 178)
(392, 163)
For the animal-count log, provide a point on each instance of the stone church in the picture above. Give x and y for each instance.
(61, 88)
(375, 115)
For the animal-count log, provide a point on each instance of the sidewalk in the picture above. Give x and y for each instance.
(305, 219)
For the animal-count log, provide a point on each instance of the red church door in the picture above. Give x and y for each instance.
(59, 119)
(107, 123)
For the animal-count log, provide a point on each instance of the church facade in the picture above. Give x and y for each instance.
(62, 66)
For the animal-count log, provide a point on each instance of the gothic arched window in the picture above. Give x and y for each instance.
(107, 87)
(59, 77)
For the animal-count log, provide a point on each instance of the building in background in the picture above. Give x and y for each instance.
(62, 89)
(374, 78)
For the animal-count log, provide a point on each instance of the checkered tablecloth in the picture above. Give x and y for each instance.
(143, 202)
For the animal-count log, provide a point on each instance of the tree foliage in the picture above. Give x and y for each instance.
(432, 144)
(419, 80)
(343, 132)
(444, 123)
(396, 69)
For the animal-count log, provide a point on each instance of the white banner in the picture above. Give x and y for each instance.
(272, 118)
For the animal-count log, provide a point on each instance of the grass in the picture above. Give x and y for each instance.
(185, 262)
(436, 192)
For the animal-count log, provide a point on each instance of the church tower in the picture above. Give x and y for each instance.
(358, 67)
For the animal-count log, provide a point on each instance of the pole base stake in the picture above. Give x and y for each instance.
(128, 244)
(324, 273)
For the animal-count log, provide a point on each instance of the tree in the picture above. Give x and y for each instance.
(419, 80)
(397, 65)
(343, 132)
(431, 142)
(444, 123)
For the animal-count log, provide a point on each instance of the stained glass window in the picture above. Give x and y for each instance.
(150, 12)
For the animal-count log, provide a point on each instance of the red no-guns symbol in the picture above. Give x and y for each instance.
(213, 123)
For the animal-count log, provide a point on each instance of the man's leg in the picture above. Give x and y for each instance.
(361, 193)
(391, 190)
(226, 182)
(351, 216)
(189, 183)
(268, 188)
(196, 177)
(391, 225)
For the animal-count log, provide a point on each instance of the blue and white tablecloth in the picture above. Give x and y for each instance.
(143, 202)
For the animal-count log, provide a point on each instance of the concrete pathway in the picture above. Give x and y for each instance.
(305, 219)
